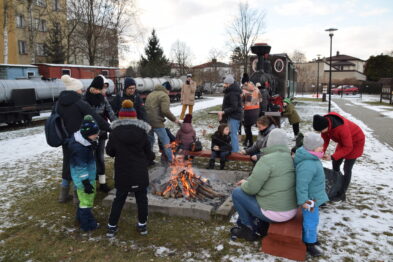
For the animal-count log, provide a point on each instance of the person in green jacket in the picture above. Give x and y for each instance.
(157, 107)
(293, 116)
(310, 187)
(269, 193)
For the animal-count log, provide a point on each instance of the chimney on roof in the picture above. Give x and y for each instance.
(338, 53)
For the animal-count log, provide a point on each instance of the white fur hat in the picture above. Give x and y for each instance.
(71, 84)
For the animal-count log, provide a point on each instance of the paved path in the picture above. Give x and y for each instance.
(381, 125)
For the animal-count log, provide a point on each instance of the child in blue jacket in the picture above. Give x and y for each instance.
(310, 187)
(83, 170)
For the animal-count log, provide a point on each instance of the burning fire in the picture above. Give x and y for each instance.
(185, 183)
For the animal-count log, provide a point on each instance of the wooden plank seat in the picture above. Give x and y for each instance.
(232, 156)
(285, 239)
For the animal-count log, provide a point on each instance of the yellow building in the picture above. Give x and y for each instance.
(26, 25)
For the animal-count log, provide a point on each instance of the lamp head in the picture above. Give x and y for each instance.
(331, 30)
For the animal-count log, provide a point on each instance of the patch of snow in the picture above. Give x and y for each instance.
(220, 247)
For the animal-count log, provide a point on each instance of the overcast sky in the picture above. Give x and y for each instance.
(364, 26)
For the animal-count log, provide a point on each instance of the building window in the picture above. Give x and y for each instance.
(56, 5)
(40, 50)
(22, 47)
(40, 3)
(66, 72)
(30, 74)
(20, 21)
(42, 26)
(105, 73)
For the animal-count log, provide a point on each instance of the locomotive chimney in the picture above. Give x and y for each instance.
(260, 49)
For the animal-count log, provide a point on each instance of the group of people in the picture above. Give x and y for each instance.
(278, 184)
(131, 124)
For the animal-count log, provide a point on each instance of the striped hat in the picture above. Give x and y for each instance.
(127, 110)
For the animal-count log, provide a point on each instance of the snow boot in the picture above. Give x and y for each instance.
(262, 227)
(313, 250)
(64, 194)
(211, 164)
(244, 232)
(222, 164)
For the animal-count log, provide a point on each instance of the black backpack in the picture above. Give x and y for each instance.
(55, 131)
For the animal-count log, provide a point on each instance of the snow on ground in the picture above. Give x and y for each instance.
(385, 110)
(25, 151)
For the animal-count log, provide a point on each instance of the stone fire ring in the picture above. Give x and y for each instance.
(223, 180)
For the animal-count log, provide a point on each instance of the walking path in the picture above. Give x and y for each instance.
(381, 125)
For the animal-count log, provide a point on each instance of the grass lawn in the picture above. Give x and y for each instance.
(375, 103)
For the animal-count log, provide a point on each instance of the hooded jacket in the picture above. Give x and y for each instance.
(158, 107)
(349, 137)
(291, 113)
(188, 93)
(72, 109)
(222, 141)
(186, 136)
(310, 178)
(128, 143)
(272, 180)
(231, 104)
(138, 104)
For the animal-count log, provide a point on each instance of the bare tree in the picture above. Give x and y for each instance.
(216, 54)
(298, 56)
(181, 55)
(99, 26)
(245, 29)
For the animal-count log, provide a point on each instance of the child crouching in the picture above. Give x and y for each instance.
(310, 187)
(221, 146)
(128, 143)
(83, 170)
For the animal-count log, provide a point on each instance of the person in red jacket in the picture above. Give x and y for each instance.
(350, 141)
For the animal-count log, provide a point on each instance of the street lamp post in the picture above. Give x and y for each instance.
(330, 30)
(318, 76)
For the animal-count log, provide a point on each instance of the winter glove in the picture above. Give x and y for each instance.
(89, 189)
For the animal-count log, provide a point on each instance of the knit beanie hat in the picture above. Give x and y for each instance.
(229, 80)
(71, 84)
(127, 110)
(167, 85)
(89, 127)
(187, 118)
(287, 100)
(319, 123)
(128, 81)
(98, 82)
(277, 137)
(312, 141)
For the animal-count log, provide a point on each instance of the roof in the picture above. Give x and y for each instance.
(343, 58)
(79, 66)
(17, 65)
(210, 64)
(343, 63)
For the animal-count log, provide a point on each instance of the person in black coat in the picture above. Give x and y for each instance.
(129, 145)
(232, 109)
(221, 146)
(101, 106)
(130, 93)
(72, 109)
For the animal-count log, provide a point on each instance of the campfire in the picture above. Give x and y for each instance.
(184, 183)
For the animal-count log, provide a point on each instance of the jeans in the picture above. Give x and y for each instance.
(248, 208)
(310, 225)
(221, 154)
(164, 139)
(118, 203)
(348, 165)
(233, 128)
(183, 110)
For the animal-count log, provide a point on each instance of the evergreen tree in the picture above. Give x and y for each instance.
(378, 67)
(237, 57)
(54, 46)
(155, 64)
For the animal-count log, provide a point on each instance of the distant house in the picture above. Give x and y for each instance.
(178, 70)
(345, 70)
(213, 71)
